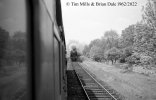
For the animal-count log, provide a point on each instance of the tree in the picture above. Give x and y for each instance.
(127, 36)
(145, 41)
(149, 16)
(113, 54)
(111, 34)
(86, 50)
(95, 42)
(96, 53)
(133, 59)
(146, 60)
(146, 34)
(19, 40)
(4, 37)
(111, 39)
(125, 52)
(17, 48)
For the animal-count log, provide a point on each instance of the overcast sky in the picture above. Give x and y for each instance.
(80, 23)
(12, 15)
(85, 23)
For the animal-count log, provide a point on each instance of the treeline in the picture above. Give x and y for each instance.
(12, 48)
(136, 45)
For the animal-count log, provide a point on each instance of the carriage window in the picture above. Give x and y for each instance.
(13, 42)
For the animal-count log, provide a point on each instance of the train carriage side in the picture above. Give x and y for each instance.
(48, 66)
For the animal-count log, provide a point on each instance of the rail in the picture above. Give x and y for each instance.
(93, 89)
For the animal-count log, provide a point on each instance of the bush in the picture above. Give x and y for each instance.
(81, 58)
(112, 54)
(131, 60)
(146, 60)
(124, 66)
(122, 60)
(125, 53)
(96, 53)
(97, 58)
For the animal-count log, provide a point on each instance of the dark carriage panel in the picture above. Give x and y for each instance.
(45, 74)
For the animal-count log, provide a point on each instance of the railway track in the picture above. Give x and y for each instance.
(93, 89)
(75, 90)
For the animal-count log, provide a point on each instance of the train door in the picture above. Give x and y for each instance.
(63, 71)
(60, 70)
(57, 66)
(44, 54)
(47, 51)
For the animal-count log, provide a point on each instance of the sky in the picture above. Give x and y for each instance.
(81, 23)
(12, 16)
(86, 23)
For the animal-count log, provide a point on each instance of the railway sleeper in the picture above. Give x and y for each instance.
(101, 99)
(94, 85)
(96, 93)
(103, 93)
(100, 96)
(91, 85)
(93, 88)
(88, 81)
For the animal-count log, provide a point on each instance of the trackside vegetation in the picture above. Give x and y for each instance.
(135, 46)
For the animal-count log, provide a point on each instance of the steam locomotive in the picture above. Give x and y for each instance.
(75, 56)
